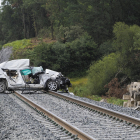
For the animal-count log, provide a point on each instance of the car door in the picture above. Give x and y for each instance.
(14, 78)
(30, 79)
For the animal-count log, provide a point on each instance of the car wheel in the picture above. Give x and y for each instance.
(2, 87)
(52, 85)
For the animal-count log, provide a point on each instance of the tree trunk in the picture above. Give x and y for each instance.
(52, 29)
(24, 26)
(34, 23)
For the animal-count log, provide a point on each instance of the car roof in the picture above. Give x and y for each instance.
(15, 64)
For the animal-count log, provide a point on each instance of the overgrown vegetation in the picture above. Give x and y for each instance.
(31, 18)
(79, 88)
(72, 58)
(100, 39)
(116, 70)
(101, 72)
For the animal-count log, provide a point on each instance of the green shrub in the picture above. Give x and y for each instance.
(106, 48)
(68, 34)
(100, 73)
(127, 43)
(82, 52)
(72, 58)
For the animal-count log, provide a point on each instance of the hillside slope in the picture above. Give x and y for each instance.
(10, 50)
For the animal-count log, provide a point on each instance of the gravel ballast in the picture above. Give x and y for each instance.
(17, 123)
(124, 110)
(94, 124)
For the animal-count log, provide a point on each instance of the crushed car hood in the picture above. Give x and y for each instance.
(15, 64)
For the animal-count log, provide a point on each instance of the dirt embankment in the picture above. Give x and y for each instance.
(35, 41)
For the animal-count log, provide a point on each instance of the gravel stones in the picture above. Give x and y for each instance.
(124, 110)
(92, 123)
(17, 124)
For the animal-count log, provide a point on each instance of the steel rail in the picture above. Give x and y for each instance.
(116, 114)
(80, 134)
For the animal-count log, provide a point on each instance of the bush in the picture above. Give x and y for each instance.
(106, 48)
(68, 34)
(100, 73)
(127, 43)
(82, 52)
(72, 58)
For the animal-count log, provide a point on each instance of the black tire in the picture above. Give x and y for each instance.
(2, 87)
(52, 85)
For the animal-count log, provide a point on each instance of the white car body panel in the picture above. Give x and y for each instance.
(15, 64)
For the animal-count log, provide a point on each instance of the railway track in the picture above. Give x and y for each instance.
(57, 125)
(97, 122)
(101, 110)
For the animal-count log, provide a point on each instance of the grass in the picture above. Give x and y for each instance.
(79, 89)
(115, 101)
(78, 82)
(19, 44)
(78, 86)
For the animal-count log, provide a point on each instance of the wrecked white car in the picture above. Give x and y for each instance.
(18, 75)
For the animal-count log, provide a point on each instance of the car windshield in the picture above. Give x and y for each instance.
(36, 70)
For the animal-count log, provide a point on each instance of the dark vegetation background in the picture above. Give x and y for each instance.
(98, 38)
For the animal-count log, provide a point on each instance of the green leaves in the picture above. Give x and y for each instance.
(127, 43)
(101, 72)
(70, 58)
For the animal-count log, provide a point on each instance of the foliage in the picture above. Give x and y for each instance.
(68, 34)
(82, 52)
(106, 48)
(79, 88)
(79, 81)
(19, 44)
(101, 72)
(22, 19)
(70, 58)
(8, 19)
(44, 33)
(25, 19)
(115, 101)
(127, 43)
(73, 33)
(95, 97)
(19, 48)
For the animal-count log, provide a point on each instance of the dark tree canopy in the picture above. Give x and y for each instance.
(25, 19)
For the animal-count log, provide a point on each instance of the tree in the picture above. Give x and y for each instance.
(35, 14)
(127, 43)
(11, 23)
(22, 19)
